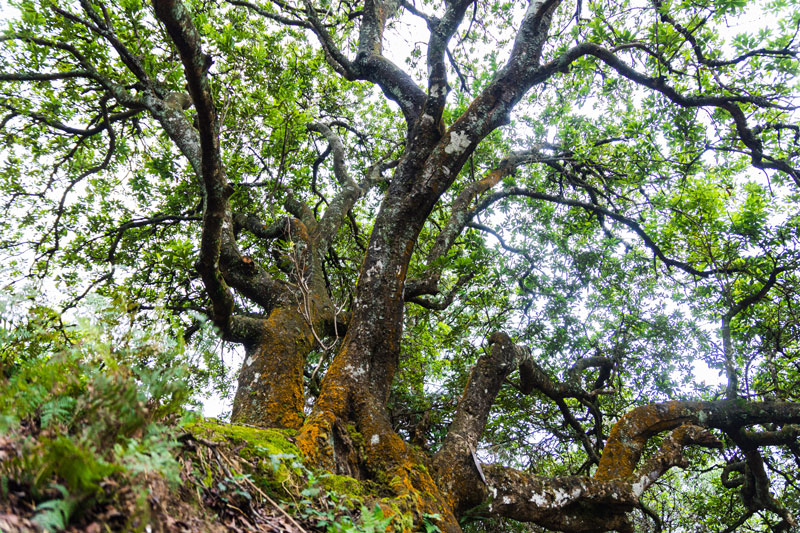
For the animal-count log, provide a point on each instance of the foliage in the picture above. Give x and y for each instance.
(639, 242)
(85, 403)
(92, 417)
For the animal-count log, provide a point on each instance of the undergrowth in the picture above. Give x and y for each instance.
(97, 434)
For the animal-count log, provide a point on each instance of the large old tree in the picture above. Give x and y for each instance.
(512, 261)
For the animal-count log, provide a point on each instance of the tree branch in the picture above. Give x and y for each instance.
(175, 17)
(630, 223)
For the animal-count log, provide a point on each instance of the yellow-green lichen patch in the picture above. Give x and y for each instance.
(277, 460)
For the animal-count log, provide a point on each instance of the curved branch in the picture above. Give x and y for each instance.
(631, 432)
(578, 504)
(756, 439)
(732, 389)
(86, 132)
(698, 51)
(441, 32)
(727, 103)
(177, 20)
(103, 165)
(335, 144)
(340, 205)
(103, 28)
(151, 221)
(573, 503)
(369, 64)
(454, 461)
(445, 302)
(461, 213)
(269, 15)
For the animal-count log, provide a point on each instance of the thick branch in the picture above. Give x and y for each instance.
(577, 504)
(441, 33)
(369, 64)
(337, 209)
(631, 432)
(455, 462)
(177, 20)
(44, 76)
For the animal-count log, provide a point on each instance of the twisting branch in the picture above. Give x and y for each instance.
(85, 132)
(620, 479)
(454, 461)
(150, 221)
(715, 63)
(178, 23)
(576, 503)
(334, 144)
(103, 165)
(444, 302)
(370, 64)
(103, 28)
(461, 212)
(732, 388)
(730, 104)
(339, 207)
(270, 15)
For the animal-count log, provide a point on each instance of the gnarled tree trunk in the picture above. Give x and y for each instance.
(356, 386)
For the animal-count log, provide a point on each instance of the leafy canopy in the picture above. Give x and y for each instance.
(641, 228)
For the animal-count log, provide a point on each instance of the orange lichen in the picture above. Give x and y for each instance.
(629, 435)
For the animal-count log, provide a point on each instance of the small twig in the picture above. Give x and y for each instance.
(272, 502)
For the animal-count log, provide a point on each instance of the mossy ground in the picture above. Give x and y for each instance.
(274, 463)
(232, 477)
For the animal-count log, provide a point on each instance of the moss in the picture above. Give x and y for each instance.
(270, 451)
(259, 442)
(401, 482)
(357, 437)
(349, 491)
(343, 485)
(268, 448)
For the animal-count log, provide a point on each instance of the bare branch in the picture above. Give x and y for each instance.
(715, 63)
(103, 28)
(86, 132)
(44, 76)
(269, 15)
(447, 300)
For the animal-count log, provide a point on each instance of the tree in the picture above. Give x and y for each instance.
(605, 192)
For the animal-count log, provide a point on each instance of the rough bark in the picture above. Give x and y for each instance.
(357, 383)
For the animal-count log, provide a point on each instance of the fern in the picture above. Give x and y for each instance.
(54, 515)
(96, 399)
(58, 411)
